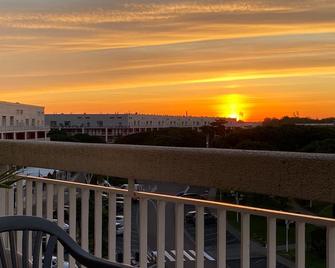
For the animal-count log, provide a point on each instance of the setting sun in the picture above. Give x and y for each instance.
(232, 106)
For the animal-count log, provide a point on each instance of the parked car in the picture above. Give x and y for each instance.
(119, 228)
(54, 263)
(208, 217)
(137, 187)
(119, 219)
(66, 227)
(190, 195)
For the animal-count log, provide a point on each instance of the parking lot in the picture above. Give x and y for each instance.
(258, 255)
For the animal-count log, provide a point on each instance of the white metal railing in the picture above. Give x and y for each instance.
(47, 197)
(23, 128)
(304, 176)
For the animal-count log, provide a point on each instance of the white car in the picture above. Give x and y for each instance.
(54, 263)
(120, 198)
(119, 219)
(119, 228)
(137, 187)
(66, 227)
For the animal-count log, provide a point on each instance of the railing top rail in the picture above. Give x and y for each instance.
(278, 214)
(297, 175)
(71, 184)
(23, 128)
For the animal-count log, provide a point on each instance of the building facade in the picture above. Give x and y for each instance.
(109, 126)
(22, 122)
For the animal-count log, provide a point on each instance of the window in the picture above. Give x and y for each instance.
(27, 122)
(53, 123)
(4, 121)
(33, 122)
(11, 121)
(100, 123)
(67, 123)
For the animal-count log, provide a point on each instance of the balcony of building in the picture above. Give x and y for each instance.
(158, 228)
(24, 132)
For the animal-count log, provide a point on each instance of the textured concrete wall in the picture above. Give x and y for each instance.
(299, 175)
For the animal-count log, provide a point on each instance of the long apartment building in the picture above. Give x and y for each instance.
(108, 126)
(22, 122)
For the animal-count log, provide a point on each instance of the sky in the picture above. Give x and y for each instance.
(248, 59)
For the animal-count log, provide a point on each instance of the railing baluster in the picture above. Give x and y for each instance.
(245, 240)
(50, 201)
(29, 210)
(111, 226)
(73, 219)
(143, 232)
(10, 208)
(161, 234)
(127, 230)
(3, 212)
(221, 238)
(11, 202)
(29, 198)
(300, 244)
(39, 208)
(39, 199)
(200, 237)
(85, 196)
(19, 197)
(330, 246)
(2, 202)
(97, 224)
(60, 221)
(179, 235)
(19, 211)
(271, 242)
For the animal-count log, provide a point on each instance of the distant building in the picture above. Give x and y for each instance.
(22, 122)
(109, 126)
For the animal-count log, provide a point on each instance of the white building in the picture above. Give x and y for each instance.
(22, 122)
(108, 126)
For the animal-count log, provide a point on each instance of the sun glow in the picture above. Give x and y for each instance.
(233, 106)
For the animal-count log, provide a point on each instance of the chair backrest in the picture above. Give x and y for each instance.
(40, 227)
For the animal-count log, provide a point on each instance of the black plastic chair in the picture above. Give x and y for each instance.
(39, 227)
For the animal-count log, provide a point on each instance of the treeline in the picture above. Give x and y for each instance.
(60, 135)
(275, 136)
(280, 138)
(177, 137)
(297, 120)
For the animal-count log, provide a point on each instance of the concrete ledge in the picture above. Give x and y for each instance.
(298, 175)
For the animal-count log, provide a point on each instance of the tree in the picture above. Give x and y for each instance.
(8, 178)
(215, 128)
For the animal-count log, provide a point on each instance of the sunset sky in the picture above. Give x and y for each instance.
(249, 59)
